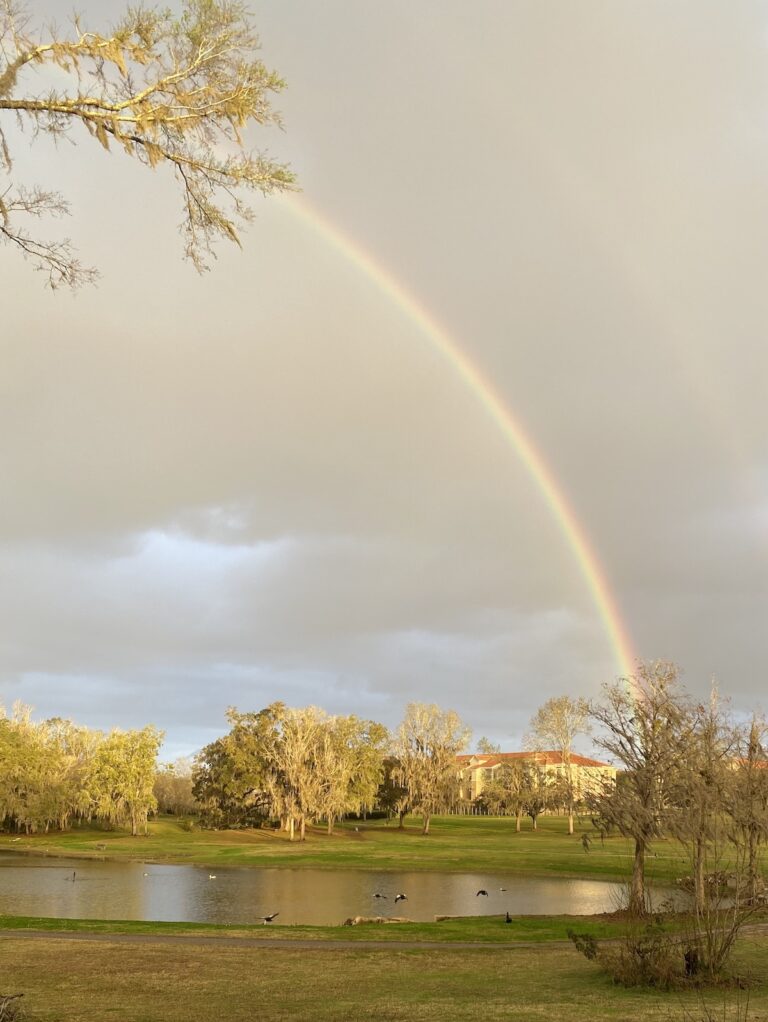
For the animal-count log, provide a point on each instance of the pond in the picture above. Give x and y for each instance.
(88, 889)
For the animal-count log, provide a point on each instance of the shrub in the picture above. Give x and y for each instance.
(647, 955)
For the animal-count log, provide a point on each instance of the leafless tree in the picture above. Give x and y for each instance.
(556, 726)
(644, 721)
(749, 805)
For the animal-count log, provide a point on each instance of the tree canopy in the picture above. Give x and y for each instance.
(426, 746)
(293, 764)
(169, 91)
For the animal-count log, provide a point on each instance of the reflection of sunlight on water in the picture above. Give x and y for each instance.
(119, 890)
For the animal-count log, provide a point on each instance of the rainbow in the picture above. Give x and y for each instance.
(511, 428)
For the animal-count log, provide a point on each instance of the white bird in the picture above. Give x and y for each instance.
(211, 876)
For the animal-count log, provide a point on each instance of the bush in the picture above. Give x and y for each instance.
(646, 956)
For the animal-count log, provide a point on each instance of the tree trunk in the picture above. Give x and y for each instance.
(698, 876)
(570, 817)
(519, 823)
(291, 828)
(401, 818)
(303, 828)
(330, 824)
(753, 873)
(637, 884)
(425, 828)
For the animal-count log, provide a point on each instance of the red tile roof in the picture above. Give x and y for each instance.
(547, 758)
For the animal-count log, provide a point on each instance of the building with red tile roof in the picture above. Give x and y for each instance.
(476, 771)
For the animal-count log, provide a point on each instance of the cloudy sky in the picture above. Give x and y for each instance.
(267, 482)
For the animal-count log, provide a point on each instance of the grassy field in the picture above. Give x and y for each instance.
(85, 981)
(456, 843)
(65, 981)
(488, 929)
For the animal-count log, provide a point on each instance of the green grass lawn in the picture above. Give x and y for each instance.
(91, 982)
(487, 929)
(456, 843)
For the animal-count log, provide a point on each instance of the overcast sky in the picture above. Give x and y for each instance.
(266, 484)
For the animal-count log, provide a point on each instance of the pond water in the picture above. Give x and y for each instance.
(87, 889)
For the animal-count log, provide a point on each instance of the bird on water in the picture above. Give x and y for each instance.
(401, 897)
(377, 895)
(481, 891)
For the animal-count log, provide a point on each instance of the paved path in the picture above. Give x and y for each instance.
(281, 943)
(301, 944)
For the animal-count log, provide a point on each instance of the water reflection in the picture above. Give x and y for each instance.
(132, 890)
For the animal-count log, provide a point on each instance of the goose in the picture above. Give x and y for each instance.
(401, 897)
(377, 895)
(211, 876)
(481, 891)
(268, 919)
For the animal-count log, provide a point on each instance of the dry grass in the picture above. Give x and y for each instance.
(91, 982)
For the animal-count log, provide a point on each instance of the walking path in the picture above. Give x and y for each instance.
(303, 944)
(281, 943)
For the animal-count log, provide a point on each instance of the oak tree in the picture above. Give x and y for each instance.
(121, 776)
(426, 746)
